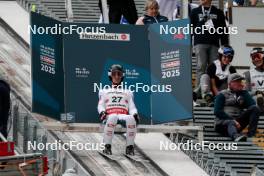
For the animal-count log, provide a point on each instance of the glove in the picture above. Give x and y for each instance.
(240, 100)
(102, 116)
(136, 118)
(259, 92)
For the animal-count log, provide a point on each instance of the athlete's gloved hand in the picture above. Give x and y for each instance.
(102, 116)
(136, 118)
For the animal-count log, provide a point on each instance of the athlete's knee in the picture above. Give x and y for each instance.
(111, 121)
(231, 123)
(205, 77)
(205, 83)
(131, 122)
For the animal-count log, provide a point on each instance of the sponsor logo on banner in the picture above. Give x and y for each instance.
(180, 36)
(132, 74)
(68, 117)
(170, 64)
(47, 60)
(105, 36)
(81, 72)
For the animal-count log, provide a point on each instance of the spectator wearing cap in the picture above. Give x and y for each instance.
(235, 109)
(152, 14)
(206, 44)
(215, 79)
(4, 105)
(255, 77)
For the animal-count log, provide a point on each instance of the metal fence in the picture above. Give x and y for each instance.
(30, 137)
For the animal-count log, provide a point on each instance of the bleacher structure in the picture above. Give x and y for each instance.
(247, 160)
(83, 10)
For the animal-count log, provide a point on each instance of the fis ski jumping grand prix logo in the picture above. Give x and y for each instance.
(106, 36)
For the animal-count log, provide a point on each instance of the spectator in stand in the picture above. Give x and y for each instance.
(255, 77)
(4, 106)
(217, 73)
(235, 109)
(152, 14)
(117, 8)
(205, 44)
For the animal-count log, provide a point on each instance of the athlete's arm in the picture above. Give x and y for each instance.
(131, 105)
(101, 103)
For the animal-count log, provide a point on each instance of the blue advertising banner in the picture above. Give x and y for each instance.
(170, 55)
(157, 67)
(47, 67)
(87, 61)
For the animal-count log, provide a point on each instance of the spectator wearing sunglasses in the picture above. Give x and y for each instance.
(215, 79)
(255, 77)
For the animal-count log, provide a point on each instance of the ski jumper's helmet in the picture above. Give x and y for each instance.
(116, 67)
(226, 50)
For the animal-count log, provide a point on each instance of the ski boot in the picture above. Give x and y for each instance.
(107, 149)
(130, 150)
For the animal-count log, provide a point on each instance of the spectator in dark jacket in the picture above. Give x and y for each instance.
(4, 106)
(206, 44)
(235, 109)
(152, 14)
(117, 8)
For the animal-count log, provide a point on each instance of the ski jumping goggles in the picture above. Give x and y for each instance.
(255, 52)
